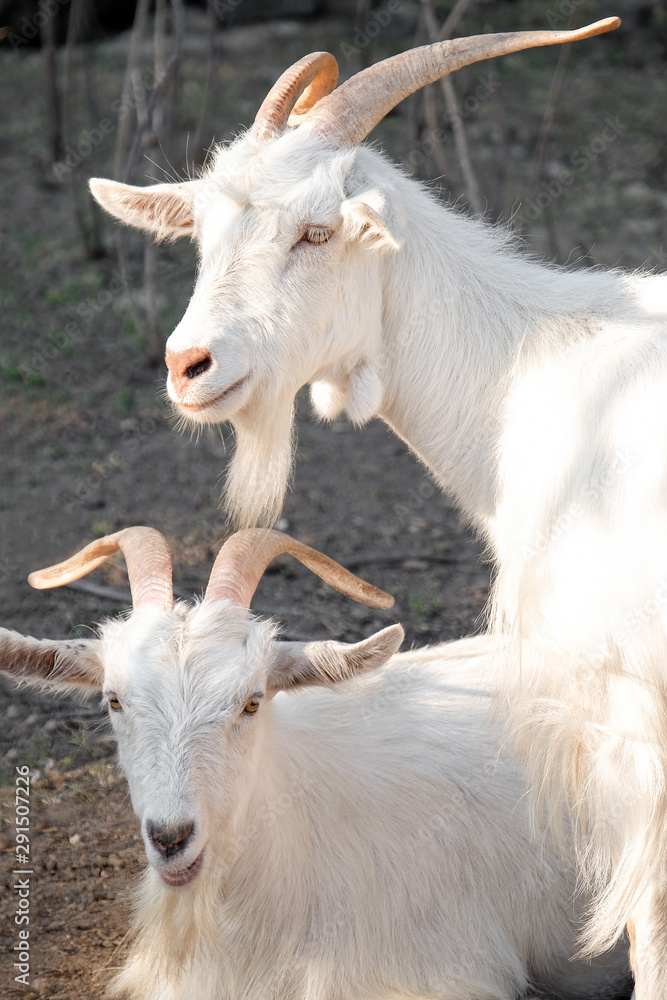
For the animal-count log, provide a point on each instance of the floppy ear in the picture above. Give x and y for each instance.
(298, 663)
(43, 661)
(166, 210)
(365, 218)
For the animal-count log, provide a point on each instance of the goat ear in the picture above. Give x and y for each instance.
(43, 661)
(365, 219)
(165, 210)
(327, 663)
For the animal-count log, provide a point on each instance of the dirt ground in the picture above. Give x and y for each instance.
(89, 446)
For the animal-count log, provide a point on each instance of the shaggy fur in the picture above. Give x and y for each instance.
(536, 397)
(362, 840)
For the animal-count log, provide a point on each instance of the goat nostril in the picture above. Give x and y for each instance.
(193, 371)
(186, 365)
(170, 840)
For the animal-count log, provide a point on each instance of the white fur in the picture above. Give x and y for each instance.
(536, 397)
(367, 840)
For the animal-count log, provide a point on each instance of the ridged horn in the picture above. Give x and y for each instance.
(243, 558)
(296, 92)
(346, 116)
(148, 565)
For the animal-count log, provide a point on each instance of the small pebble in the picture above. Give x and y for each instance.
(415, 564)
(75, 839)
(30, 721)
(12, 712)
(12, 755)
(50, 726)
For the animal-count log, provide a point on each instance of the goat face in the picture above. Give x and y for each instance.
(281, 290)
(290, 243)
(189, 694)
(182, 689)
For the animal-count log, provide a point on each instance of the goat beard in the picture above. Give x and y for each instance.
(260, 471)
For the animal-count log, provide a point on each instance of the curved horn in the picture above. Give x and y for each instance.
(243, 558)
(148, 565)
(298, 90)
(347, 116)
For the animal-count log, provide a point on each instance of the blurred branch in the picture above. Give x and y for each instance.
(451, 23)
(431, 119)
(86, 212)
(166, 73)
(56, 143)
(129, 89)
(198, 148)
(549, 114)
(460, 140)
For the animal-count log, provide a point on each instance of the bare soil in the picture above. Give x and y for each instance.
(88, 444)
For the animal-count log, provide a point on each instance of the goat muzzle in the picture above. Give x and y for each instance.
(186, 366)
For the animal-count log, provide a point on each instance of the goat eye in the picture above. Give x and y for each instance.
(316, 234)
(251, 706)
(115, 705)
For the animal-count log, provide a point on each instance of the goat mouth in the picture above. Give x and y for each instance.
(185, 875)
(207, 403)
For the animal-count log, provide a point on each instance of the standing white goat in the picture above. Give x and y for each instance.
(364, 843)
(535, 395)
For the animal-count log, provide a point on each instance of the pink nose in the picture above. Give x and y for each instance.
(186, 366)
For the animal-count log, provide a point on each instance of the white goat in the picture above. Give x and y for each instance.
(535, 395)
(365, 843)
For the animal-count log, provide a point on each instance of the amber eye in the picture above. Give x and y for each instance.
(251, 706)
(316, 234)
(114, 704)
